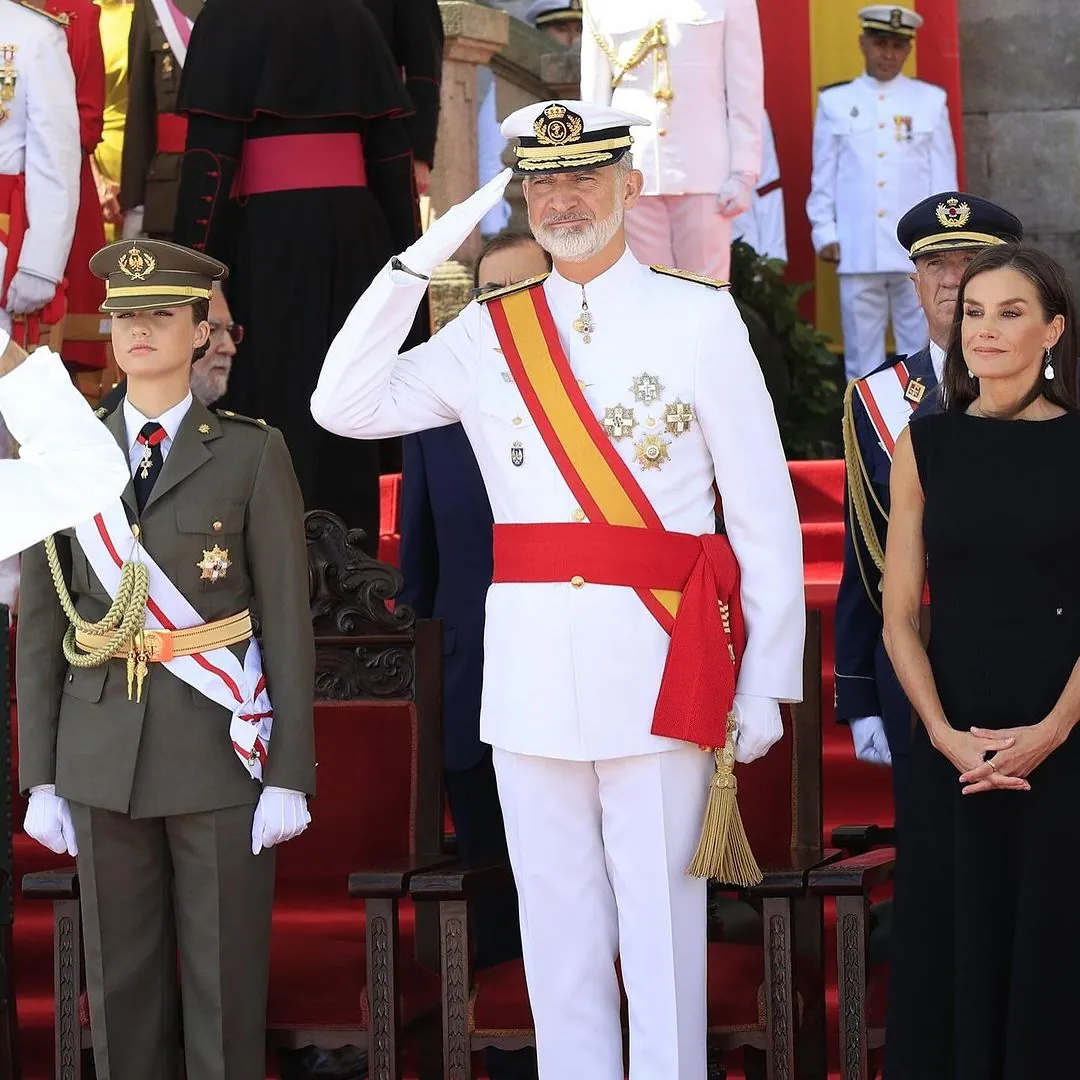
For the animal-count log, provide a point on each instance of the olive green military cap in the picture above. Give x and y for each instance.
(142, 274)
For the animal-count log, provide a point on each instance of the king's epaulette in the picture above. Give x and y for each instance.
(686, 275)
(228, 414)
(61, 18)
(509, 290)
(833, 85)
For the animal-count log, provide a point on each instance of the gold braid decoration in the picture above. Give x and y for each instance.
(654, 39)
(858, 480)
(122, 623)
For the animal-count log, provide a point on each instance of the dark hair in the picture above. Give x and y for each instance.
(200, 312)
(503, 241)
(1055, 298)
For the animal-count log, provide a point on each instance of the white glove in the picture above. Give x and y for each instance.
(133, 223)
(280, 815)
(759, 726)
(868, 735)
(450, 231)
(48, 820)
(5, 339)
(28, 292)
(734, 195)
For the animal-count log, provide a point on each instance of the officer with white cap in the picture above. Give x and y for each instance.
(882, 142)
(559, 19)
(603, 401)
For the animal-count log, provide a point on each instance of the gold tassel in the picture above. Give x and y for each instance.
(723, 852)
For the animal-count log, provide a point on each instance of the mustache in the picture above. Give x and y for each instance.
(570, 215)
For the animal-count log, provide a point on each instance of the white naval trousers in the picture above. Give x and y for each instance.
(686, 231)
(599, 851)
(866, 303)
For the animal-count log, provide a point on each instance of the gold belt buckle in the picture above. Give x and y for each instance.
(159, 646)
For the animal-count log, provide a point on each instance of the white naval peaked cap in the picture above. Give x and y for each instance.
(560, 136)
(888, 19)
(542, 12)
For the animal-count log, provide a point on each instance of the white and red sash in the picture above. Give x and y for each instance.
(107, 542)
(176, 26)
(889, 410)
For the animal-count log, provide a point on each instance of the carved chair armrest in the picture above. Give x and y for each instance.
(51, 885)
(788, 874)
(390, 881)
(856, 839)
(460, 881)
(854, 876)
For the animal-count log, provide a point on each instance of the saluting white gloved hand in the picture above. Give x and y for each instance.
(445, 235)
(868, 735)
(28, 292)
(734, 195)
(280, 815)
(760, 726)
(48, 820)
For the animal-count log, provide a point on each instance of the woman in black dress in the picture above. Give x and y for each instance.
(986, 943)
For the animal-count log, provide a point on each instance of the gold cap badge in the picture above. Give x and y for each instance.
(952, 213)
(136, 263)
(557, 126)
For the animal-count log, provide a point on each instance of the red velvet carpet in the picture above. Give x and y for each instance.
(854, 793)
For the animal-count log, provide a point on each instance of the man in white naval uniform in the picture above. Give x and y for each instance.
(694, 68)
(40, 157)
(602, 816)
(882, 143)
(762, 226)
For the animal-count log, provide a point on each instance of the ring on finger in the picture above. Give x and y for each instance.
(991, 764)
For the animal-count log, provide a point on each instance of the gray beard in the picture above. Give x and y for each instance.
(582, 241)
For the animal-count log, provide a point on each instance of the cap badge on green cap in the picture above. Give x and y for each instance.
(136, 263)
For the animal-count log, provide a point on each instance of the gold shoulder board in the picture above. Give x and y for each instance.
(686, 275)
(61, 19)
(507, 290)
(228, 414)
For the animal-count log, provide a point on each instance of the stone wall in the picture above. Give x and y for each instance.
(1020, 63)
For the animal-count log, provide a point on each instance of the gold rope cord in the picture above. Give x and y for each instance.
(654, 39)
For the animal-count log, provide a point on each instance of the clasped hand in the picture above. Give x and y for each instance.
(1003, 759)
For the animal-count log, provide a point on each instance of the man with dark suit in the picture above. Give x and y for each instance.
(942, 234)
(166, 747)
(446, 559)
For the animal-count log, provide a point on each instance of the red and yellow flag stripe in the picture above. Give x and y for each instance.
(599, 479)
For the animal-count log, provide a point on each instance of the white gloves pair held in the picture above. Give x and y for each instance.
(28, 292)
(871, 745)
(760, 726)
(280, 815)
(735, 194)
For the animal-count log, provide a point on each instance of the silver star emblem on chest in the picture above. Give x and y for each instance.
(678, 417)
(646, 388)
(619, 422)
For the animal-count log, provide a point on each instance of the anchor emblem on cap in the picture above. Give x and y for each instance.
(557, 125)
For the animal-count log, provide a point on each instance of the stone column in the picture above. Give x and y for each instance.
(1021, 103)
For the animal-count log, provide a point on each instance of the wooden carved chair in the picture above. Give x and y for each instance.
(766, 987)
(342, 974)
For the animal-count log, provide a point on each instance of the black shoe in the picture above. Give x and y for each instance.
(314, 1063)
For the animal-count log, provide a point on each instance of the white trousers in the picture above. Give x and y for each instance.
(599, 852)
(686, 231)
(866, 303)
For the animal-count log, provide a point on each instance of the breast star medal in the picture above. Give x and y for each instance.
(646, 389)
(214, 565)
(651, 451)
(619, 422)
(8, 79)
(678, 417)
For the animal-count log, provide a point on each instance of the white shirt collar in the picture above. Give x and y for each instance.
(937, 359)
(170, 420)
(879, 86)
(611, 284)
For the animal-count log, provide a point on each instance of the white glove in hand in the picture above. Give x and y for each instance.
(48, 820)
(280, 815)
(734, 195)
(133, 223)
(28, 292)
(760, 726)
(450, 231)
(868, 735)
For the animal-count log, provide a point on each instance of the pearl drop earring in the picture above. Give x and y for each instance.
(1048, 371)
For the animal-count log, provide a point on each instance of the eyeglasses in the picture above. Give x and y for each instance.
(234, 330)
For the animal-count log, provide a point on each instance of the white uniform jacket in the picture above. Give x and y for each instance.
(70, 466)
(40, 136)
(763, 226)
(712, 126)
(879, 148)
(573, 673)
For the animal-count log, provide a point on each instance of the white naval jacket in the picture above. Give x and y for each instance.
(763, 226)
(879, 148)
(573, 673)
(712, 126)
(40, 136)
(70, 466)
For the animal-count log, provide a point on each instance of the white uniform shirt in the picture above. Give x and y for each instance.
(763, 226)
(573, 673)
(712, 126)
(40, 137)
(879, 148)
(69, 466)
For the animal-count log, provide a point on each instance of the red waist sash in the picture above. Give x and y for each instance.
(171, 133)
(698, 684)
(301, 162)
(12, 225)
